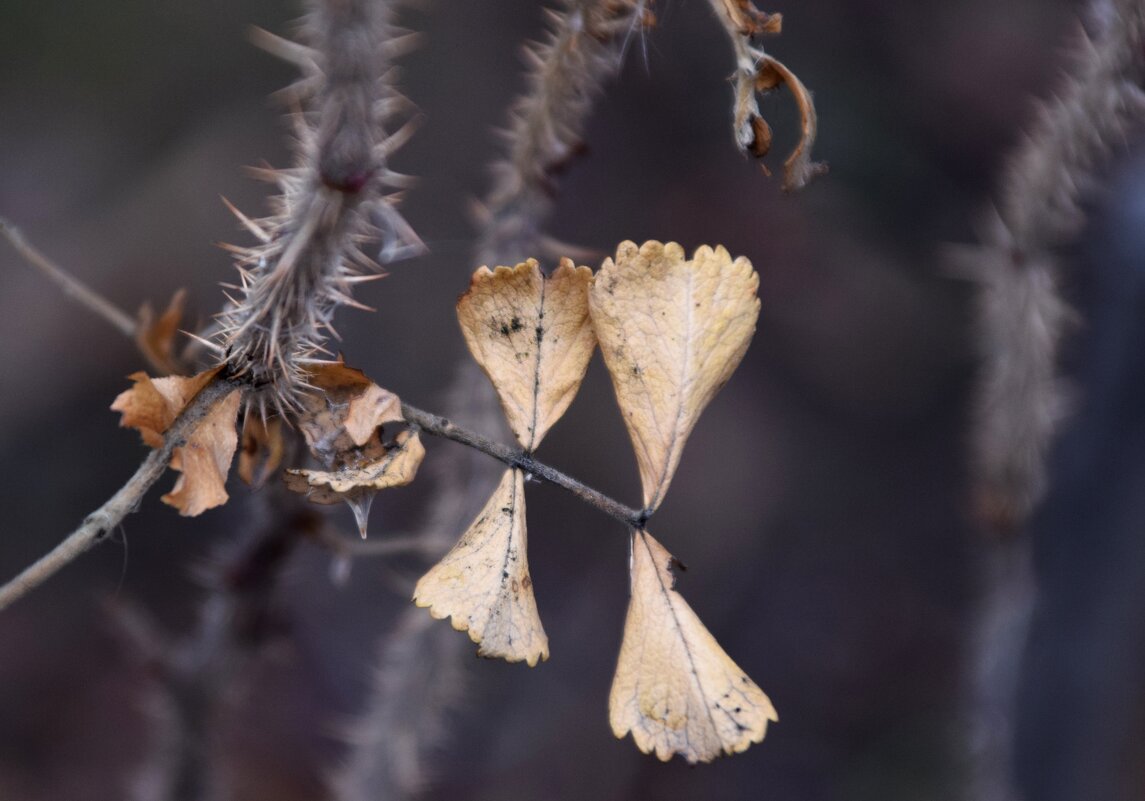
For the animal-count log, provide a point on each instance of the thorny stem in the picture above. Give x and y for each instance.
(71, 286)
(123, 502)
(440, 426)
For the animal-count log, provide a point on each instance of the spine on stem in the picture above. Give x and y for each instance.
(339, 196)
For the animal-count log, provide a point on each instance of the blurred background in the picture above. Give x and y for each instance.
(821, 505)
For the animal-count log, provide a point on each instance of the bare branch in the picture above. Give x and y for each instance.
(439, 426)
(104, 519)
(72, 287)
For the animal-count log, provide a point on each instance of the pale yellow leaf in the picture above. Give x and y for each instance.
(532, 337)
(483, 584)
(675, 688)
(396, 468)
(672, 331)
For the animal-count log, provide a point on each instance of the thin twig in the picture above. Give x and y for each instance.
(440, 426)
(71, 286)
(124, 502)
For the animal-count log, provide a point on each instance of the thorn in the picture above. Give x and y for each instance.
(213, 346)
(247, 222)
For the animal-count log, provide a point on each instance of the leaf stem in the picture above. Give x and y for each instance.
(71, 286)
(123, 502)
(440, 426)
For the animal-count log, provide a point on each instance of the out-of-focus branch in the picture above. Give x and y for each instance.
(1021, 316)
(584, 49)
(71, 286)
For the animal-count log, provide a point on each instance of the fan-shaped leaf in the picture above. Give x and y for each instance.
(675, 688)
(671, 331)
(532, 337)
(483, 584)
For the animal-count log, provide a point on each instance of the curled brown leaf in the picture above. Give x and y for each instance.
(155, 336)
(396, 467)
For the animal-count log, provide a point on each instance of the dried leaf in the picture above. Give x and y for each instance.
(749, 20)
(152, 405)
(675, 688)
(671, 331)
(798, 168)
(757, 72)
(483, 584)
(155, 338)
(345, 410)
(532, 337)
(205, 459)
(262, 449)
(396, 468)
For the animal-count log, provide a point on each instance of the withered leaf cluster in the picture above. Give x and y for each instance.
(672, 331)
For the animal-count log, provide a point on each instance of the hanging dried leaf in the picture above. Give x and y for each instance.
(672, 331)
(675, 688)
(262, 449)
(344, 411)
(798, 168)
(483, 584)
(152, 405)
(396, 467)
(759, 73)
(532, 337)
(155, 338)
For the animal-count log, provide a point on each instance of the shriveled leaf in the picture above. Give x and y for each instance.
(798, 168)
(532, 337)
(205, 460)
(759, 73)
(396, 468)
(262, 449)
(343, 411)
(152, 405)
(672, 331)
(155, 337)
(483, 584)
(675, 688)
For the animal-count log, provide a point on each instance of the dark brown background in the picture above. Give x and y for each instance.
(820, 505)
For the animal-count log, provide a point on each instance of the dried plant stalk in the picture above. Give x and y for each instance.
(337, 197)
(1021, 316)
